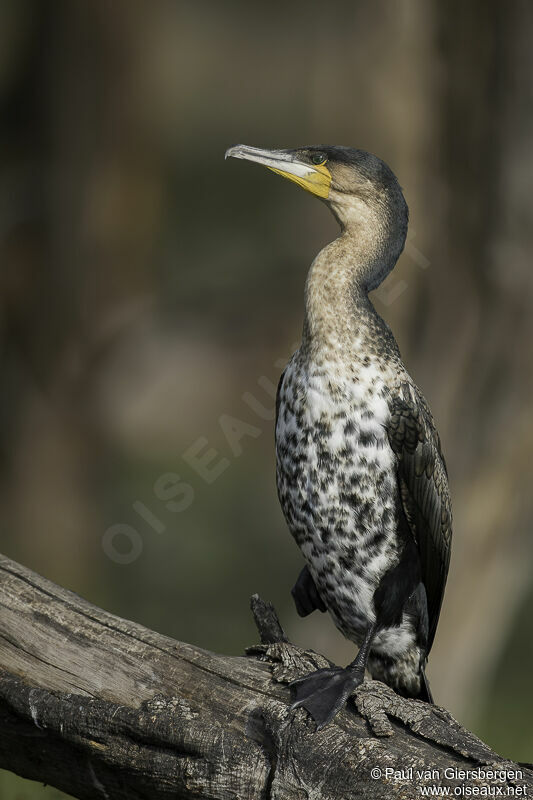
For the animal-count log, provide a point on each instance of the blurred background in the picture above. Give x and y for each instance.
(151, 293)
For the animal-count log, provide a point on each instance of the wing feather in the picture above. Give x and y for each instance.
(423, 486)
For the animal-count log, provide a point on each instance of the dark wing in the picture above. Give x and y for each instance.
(423, 486)
(278, 397)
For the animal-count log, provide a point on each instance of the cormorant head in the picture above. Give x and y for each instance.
(361, 190)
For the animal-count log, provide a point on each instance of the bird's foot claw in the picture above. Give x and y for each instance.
(323, 693)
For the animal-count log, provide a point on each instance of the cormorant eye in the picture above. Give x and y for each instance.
(319, 159)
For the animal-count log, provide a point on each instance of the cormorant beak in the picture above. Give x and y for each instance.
(313, 178)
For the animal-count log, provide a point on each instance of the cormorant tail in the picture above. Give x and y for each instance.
(425, 691)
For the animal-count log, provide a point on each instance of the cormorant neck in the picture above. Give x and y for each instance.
(337, 306)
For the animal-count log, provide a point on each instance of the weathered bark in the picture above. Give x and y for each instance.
(104, 708)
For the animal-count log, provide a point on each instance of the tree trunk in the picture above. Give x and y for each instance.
(103, 708)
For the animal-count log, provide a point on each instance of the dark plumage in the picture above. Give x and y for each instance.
(360, 473)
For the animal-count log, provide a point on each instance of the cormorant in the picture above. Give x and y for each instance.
(360, 473)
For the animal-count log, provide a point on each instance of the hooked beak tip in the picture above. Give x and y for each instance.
(232, 152)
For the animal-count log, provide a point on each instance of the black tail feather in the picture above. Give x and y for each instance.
(425, 691)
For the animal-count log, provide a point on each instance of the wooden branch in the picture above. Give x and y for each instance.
(105, 709)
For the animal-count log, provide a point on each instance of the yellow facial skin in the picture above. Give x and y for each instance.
(317, 180)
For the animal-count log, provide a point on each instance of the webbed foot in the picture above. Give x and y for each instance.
(323, 693)
(305, 594)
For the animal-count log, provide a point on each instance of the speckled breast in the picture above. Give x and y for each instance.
(336, 483)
